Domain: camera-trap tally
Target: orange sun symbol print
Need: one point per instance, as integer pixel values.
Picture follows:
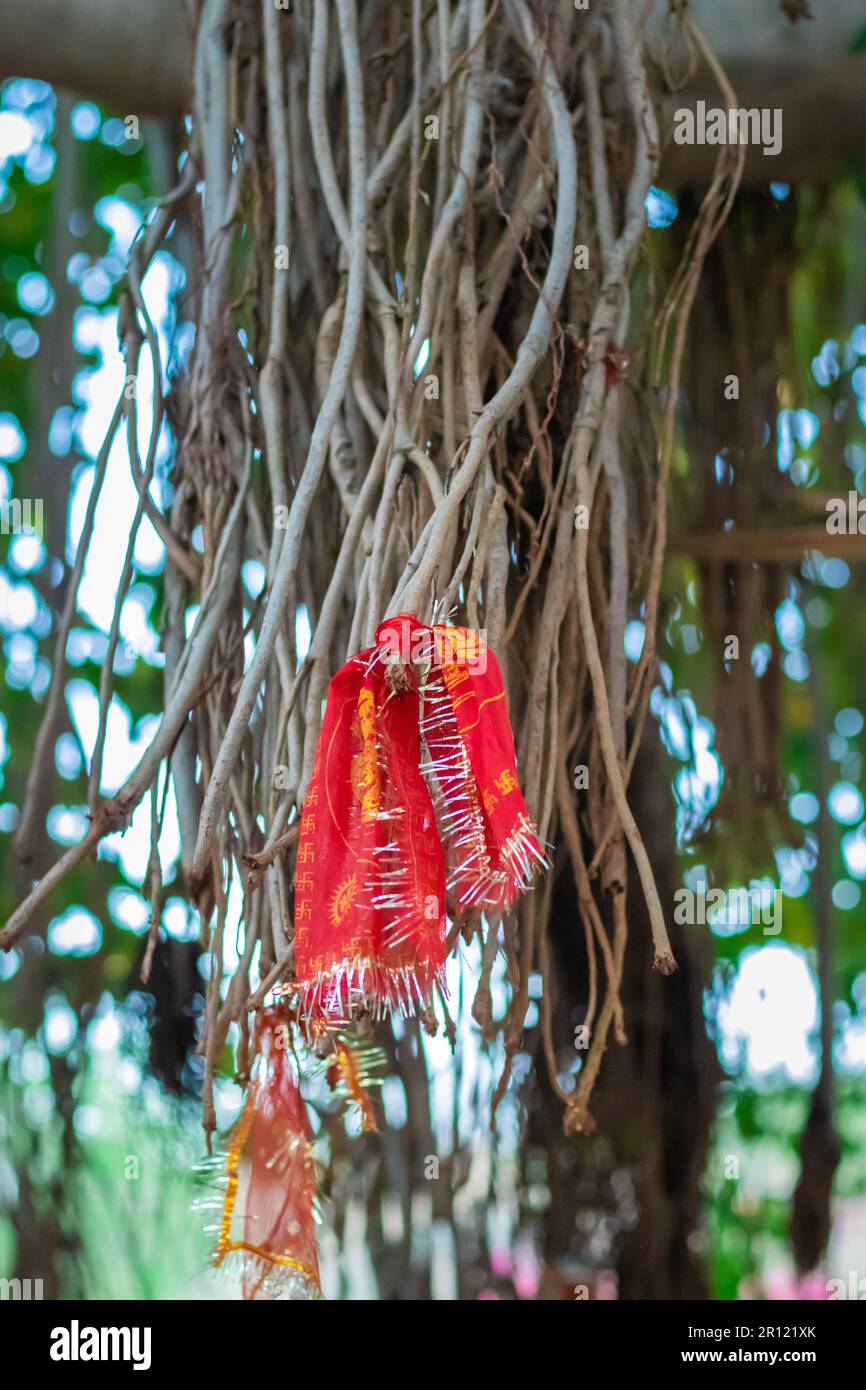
(342, 899)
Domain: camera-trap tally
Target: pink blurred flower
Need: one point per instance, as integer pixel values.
(780, 1284)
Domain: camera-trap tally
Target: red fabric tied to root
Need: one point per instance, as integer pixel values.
(274, 1238)
(413, 798)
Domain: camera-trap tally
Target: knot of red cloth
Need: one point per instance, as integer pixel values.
(404, 638)
(401, 626)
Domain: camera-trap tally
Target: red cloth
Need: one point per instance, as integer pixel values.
(275, 1235)
(413, 788)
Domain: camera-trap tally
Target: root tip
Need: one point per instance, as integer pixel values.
(664, 963)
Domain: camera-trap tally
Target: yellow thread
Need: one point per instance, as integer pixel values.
(352, 1081)
(491, 699)
(232, 1163)
(263, 1254)
(369, 779)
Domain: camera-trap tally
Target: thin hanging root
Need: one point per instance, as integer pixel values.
(578, 1119)
(664, 961)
